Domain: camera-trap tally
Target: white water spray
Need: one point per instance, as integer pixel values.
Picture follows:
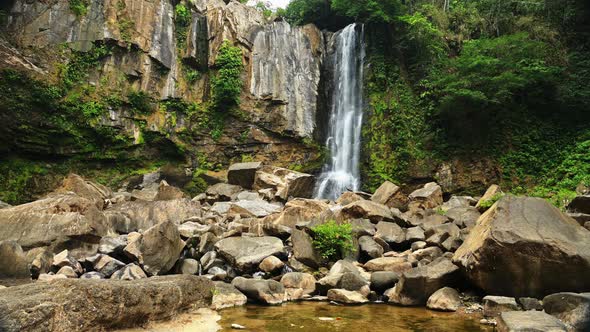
(342, 172)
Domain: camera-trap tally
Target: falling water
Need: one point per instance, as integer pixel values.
(342, 173)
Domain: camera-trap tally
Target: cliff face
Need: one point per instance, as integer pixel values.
(163, 57)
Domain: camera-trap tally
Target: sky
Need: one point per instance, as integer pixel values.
(274, 3)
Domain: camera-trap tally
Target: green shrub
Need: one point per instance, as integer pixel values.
(182, 20)
(486, 204)
(226, 85)
(79, 7)
(140, 102)
(332, 240)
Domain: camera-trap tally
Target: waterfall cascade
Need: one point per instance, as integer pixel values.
(342, 172)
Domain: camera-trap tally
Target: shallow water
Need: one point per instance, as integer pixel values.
(321, 316)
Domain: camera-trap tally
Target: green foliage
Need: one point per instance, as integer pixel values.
(300, 12)
(80, 64)
(332, 240)
(140, 101)
(367, 10)
(226, 85)
(486, 204)
(79, 7)
(16, 177)
(265, 10)
(182, 20)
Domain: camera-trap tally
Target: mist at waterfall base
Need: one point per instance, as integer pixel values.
(342, 172)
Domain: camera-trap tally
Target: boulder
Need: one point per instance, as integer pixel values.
(427, 197)
(303, 249)
(264, 291)
(297, 211)
(393, 264)
(92, 275)
(444, 299)
(65, 258)
(67, 271)
(4, 205)
(463, 216)
(226, 296)
(390, 233)
(188, 266)
(112, 245)
(528, 321)
(414, 234)
(571, 308)
(84, 305)
(354, 282)
(418, 284)
(96, 193)
(139, 215)
(458, 202)
(524, 246)
(346, 297)
(157, 249)
(107, 265)
(129, 272)
(167, 192)
(530, 303)
(580, 204)
(13, 262)
(285, 183)
(53, 221)
(383, 280)
(298, 280)
(243, 174)
(369, 248)
(348, 197)
(391, 195)
(366, 210)
(494, 305)
(271, 264)
(191, 229)
(246, 253)
(258, 208)
(222, 192)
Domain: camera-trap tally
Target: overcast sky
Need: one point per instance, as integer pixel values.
(274, 3)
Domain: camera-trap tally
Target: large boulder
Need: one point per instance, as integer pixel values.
(571, 308)
(53, 221)
(494, 305)
(393, 264)
(258, 208)
(227, 296)
(444, 299)
(297, 280)
(223, 192)
(285, 183)
(529, 321)
(366, 210)
(243, 174)
(167, 192)
(298, 210)
(524, 246)
(264, 291)
(418, 284)
(84, 305)
(346, 297)
(157, 249)
(427, 197)
(140, 215)
(245, 253)
(391, 195)
(13, 262)
(303, 249)
(94, 192)
(580, 204)
(390, 233)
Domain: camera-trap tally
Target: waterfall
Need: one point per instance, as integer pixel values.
(342, 172)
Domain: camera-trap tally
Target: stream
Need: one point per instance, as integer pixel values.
(322, 317)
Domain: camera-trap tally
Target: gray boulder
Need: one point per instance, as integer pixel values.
(366, 210)
(346, 297)
(222, 192)
(391, 195)
(390, 233)
(528, 321)
(571, 308)
(284, 183)
(369, 247)
(494, 305)
(418, 284)
(303, 249)
(427, 197)
(383, 280)
(85, 305)
(226, 296)
(246, 253)
(188, 266)
(13, 262)
(129, 272)
(444, 299)
(297, 280)
(524, 246)
(264, 291)
(243, 174)
(157, 249)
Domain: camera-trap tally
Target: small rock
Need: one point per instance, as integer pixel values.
(65, 259)
(383, 280)
(129, 272)
(227, 296)
(304, 281)
(346, 297)
(218, 273)
(271, 264)
(238, 327)
(529, 321)
(444, 299)
(494, 305)
(68, 272)
(265, 291)
(92, 275)
(394, 264)
(529, 303)
(50, 277)
(188, 266)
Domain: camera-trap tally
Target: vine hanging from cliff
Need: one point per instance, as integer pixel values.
(226, 85)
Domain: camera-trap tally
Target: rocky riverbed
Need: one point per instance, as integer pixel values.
(102, 259)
